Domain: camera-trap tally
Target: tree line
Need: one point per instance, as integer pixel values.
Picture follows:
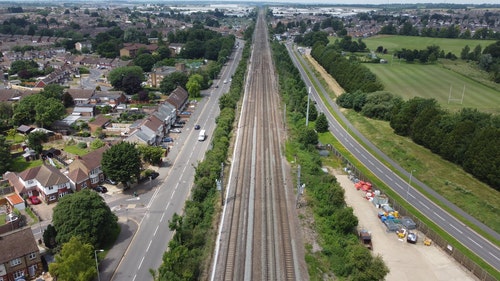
(348, 72)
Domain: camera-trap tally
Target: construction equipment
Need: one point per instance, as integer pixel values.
(427, 242)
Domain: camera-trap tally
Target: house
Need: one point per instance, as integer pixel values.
(80, 45)
(20, 255)
(178, 98)
(81, 96)
(16, 201)
(175, 48)
(131, 49)
(45, 181)
(84, 110)
(86, 171)
(100, 121)
(111, 98)
(167, 113)
(147, 131)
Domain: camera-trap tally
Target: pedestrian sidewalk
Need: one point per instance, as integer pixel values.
(108, 266)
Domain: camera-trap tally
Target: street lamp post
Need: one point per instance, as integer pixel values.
(97, 263)
(409, 184)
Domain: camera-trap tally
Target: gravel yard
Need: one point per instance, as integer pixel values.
(405, 261)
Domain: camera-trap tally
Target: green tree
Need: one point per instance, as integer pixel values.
(122, 163)
(53, 91)
(35, 141)
(321, 123)
(5, 157)
(97, 143)
(118, 76)
(6, 112)
(87, 215)
(37, 108)
(171, 81)
(308, 137)
(151, 154)
(75, 262)
(145, 61)
(49, 237)
(67, 100)
(193, 85)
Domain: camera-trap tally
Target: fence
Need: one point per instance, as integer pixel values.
(428, 232)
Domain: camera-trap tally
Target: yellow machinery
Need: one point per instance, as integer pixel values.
(427, 242)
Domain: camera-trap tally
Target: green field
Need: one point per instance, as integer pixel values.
(434, 81)
(396, 42)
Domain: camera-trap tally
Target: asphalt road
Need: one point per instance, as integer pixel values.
(174, 184)
(469, 238)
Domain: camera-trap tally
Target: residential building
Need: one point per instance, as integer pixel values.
(81, 96)
(178, 98)
(20, 255)
(131, 49)
(45, 181)
(86, 171)
(147, 131)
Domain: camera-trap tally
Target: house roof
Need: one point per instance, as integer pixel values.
(178, 97)
(153, 123)
(13, 179)
(16, 244)
(81, 93)
(80, 168)
(100, 120)
(24, 129)
(46, 175)
(15, 199)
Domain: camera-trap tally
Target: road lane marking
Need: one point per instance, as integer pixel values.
(162, 216)
(438, 216)
(156, 230)
(456, 229)
(140, 264)
(398, 185)
(493, 255)
(149, 245)
(427, 207)
(475, 242)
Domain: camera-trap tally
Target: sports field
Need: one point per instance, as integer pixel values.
(396, 42)
(434, 81)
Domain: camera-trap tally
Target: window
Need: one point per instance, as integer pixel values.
(50, 187)
(52, 198)
(32, 270)
(32, 255)
(84, 184)
(61, 195)
(19, 273)
(15, 262)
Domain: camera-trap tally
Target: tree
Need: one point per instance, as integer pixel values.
(193, 85)
(35, 140)
(75, 262)
(53, 91)
(49, 237)
(151, 154)
(321, 123)
(308, 137)
(5, 157)
(37, 108)
(145, 61)
(171, 81)
(87, 215)
(127, 79)
(67, 100)
(122, 163)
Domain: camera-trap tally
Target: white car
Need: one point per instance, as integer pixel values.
(177, 131)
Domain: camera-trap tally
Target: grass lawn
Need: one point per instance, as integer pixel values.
(74, 149)
(396, 42)
(435, 81)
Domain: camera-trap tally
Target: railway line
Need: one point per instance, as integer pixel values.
(257, 238)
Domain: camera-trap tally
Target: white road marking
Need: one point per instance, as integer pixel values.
(424, 204)
(438, 216)
(475, 242)
(456, 229)
(493, 255)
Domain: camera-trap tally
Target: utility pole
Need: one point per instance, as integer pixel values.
(220, 183)
(298, 187)
(307, 112)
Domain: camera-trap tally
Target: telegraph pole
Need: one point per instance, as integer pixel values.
(307, 112)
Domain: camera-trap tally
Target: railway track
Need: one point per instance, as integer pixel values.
(256, 241)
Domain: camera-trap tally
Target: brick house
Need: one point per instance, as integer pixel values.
(81, 96)
(178, 98)
(45, 181)
(20, 255)
(86, 171)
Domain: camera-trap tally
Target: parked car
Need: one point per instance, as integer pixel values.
(101, 189)
(168, 139)
(154, 175)
(181, 122)
(177, 131)
(34, 200)
(177, 125)
(110, 181)
(197, 127)
(412, 238)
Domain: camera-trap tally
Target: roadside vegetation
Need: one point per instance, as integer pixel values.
(341, 254)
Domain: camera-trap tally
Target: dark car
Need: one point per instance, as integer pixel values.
(154, 175)
(101, 189)
(181, 122)
(197, 127)
(168, 139)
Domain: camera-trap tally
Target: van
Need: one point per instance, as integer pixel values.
(201, 136)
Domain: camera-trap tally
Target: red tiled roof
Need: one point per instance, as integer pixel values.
(15, 199)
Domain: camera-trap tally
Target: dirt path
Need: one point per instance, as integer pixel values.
(405, 261)
(329, 80)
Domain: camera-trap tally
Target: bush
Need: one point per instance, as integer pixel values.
(82, 145)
